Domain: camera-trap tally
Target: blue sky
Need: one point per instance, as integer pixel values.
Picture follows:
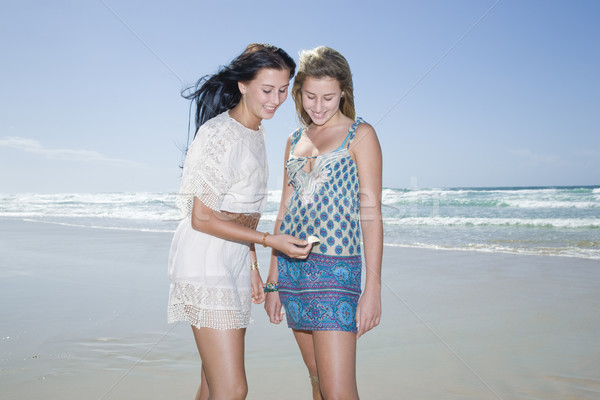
(462, 93)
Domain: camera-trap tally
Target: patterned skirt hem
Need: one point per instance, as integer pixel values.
(321, 328)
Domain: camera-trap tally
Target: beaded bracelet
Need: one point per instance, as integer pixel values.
(271, 287)
(264, 241)
(254, 266)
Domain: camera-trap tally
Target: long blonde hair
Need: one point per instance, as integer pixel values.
(322, 62)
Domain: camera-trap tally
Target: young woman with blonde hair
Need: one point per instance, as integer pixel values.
(331, 191)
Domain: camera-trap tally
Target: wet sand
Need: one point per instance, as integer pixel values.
(83, 315)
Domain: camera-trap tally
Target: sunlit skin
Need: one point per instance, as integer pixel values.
(321, 99)
(261, 97)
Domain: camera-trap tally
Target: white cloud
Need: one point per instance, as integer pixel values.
(34, 146)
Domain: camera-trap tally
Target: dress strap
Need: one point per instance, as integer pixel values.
(352, 132)
(295, 138)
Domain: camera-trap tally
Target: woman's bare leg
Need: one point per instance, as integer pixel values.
(335, 355)
(203, 392)
(307, 349)
(222, 354)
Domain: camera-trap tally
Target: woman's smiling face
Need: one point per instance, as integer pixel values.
(321, 98)
(266, 92)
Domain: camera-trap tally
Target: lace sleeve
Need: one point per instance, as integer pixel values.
(206, 171)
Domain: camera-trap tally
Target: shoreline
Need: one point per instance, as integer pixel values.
(84, 311)
(265, 225)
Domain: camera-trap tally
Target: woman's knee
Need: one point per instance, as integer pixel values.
(238, 391)
(311, 365)
(339, 395)
(336, 391)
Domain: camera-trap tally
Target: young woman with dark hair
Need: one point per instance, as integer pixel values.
(213, 271)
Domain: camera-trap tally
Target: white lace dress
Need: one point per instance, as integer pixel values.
(225, 168)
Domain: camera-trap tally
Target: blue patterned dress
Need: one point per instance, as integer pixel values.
(322, 292)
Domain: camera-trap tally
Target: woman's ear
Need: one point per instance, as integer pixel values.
(242, 87)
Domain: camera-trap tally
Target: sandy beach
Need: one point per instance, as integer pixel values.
(83, 315)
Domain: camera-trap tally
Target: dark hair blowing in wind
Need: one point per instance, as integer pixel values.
(214, 94)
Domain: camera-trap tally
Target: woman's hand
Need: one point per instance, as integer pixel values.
(289, 245)
(258, 290)
(368, 312)
(273, 307)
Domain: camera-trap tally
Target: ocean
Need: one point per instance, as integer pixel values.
(554, 221)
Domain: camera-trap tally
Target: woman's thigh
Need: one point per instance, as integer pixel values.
(335, 354)
(222, 354)
(307, 349)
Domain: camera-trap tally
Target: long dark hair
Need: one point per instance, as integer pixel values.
(214, 94)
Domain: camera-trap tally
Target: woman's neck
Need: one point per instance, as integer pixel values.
(242, 115)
